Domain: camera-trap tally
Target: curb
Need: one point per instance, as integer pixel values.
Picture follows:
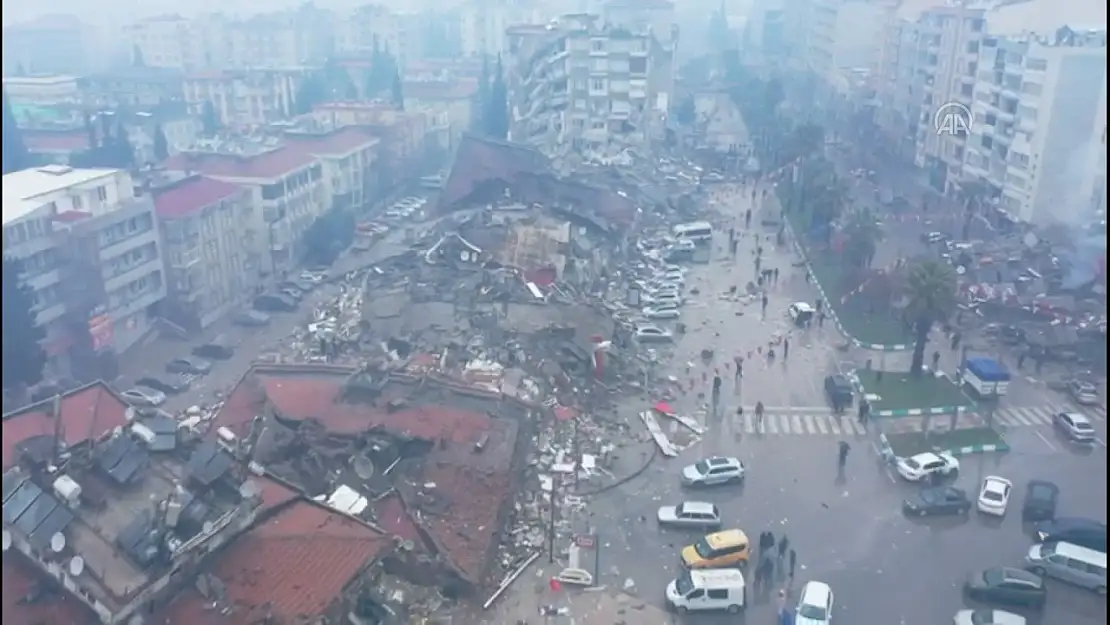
(624, 480)
(978, 449)
(916, 412)
(829, 307)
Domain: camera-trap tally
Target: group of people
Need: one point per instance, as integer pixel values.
(771, 558)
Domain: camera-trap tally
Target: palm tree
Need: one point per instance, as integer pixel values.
(862, 234)
(973, 194)
(931, 289)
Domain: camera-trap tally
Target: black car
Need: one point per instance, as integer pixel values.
(170, 385)
(1077, 531)
(1001, 584)
(839, 387)
(275, 302)
(938, 501)
(1040, 501)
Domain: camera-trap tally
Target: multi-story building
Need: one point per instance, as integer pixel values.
(287, 188)
(133, 87)
(42, 90)
(843, 35)
(371, 27)
(579, 85)
(89, 249)
(243, 97)
(1038, 102)
(211, 239)
(168, 42)
(450, 102)
(930, 56)
(347, 154)
(282, 40)
(51, 44)
(483, 26)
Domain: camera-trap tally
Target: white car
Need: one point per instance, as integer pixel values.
(653, 334)
(661, 313)
(666, 300)
(986, 616)
(995, 495)
(693, 514)
(713, 471)
(815, 604)
(672, 277)
(927, 466)
(142, 396)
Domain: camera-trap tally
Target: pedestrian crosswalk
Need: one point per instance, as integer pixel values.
(820, 422)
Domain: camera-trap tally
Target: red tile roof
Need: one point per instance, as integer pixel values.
(20, 578)
(480, 159)
(393, 517)
(338, 143)
(293, 565)
(68, 217)
(55, 141)
(192, 195)
(266, 166)
(86, 413)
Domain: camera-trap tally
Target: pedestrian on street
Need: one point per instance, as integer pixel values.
(819, 305)
(738, 372)
(776, 275)
(748, 215)
(1021, 360)
(956, 340)
(807, 276)
(843, 454)
(936, 360)
(764, 302)
(784, 545)
(821, 319)
(758, 262)
(785, 349)
(759, 424)
(768, 570)
(793, 563)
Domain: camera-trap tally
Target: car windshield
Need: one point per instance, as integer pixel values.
(929, 496)
(702, 467)
(993, 577)
(1042, 492)
(982, 617)
(815, 612)
(1081, 425)
(992, 495)
(913, 464)
(684, 583)
(703, 549)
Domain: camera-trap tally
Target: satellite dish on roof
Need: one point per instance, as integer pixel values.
(57, 542)
(1030, 239)
(76, 566)
(7, 540)
(363, 466)
(961, 270)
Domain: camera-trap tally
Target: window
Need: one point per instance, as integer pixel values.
(77, 202)
(597, 45)
(1036, 65)
(718, 593)
(973, 47)
(102, 194)
(1031, 88)
(697, 594)
(597, 84)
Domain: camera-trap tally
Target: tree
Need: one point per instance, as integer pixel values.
(23, 355)
(687, 111)
(773, 95)
(90, 132)
(209, 119)
(497, 108)
(309, 94)
(397, 91)
(161, 146)
(16, 156)
(805, 140)
(931, 289)
(122, 148)
(862, 234)
(137, 57)
(328, 236)
(974, 195)
(720, 37)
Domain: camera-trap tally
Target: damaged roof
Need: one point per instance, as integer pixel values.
(294, 563)
(479, 159)
(22, 580)
(460, 492)
(86, 413)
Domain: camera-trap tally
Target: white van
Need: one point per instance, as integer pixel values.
(1069, 563)
(714, 589)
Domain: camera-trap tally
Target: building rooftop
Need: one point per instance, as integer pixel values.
(250, 163)
(21, 188)
(191, 195)
(85, 412)
(313, 139)
(1041, 16)
(47, 141)
(452, 89)
(27, 598)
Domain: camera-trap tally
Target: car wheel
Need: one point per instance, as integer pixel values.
(1101, 591)
(683, 609)
(1038, 571)
(733, 609)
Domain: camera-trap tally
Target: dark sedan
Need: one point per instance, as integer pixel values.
(195, 366)
(839, 387)
(1040, 501)
(938, 501)
(1007, 586)
(1077, 531)
(170, 385)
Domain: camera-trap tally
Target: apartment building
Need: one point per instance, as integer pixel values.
(89, 249)
(42, 90)
(169, 42)
(243, 98)
(50, 44)
(1038, 102)
(483, 26)
(348, 156)
(405, 139)
(372, 26)
(282, 40)
(133, 87)
(580, 85)
(450, 104)
(287, 188)
(844, 35)
(930, 62)
(212, 247)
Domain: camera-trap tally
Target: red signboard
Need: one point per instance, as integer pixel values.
(102, 331)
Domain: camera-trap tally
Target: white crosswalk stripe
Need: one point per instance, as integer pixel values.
(1034, 416)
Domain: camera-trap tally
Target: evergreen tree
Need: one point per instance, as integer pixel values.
(481, 100)
(123, 151)
(161, 146)
(15, 152)
(23, 356)
(497, 107)
(398, 91)
(209, 120)
(90, 131)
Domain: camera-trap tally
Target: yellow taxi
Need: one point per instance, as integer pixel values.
(717, 550)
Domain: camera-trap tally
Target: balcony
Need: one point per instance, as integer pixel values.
(186, 259)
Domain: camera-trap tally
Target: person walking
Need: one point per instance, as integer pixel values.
(785, 349)
(793, 563)
(842, 458)
(764, 303)
(759, 424)
(738, 372)
(784, 545)
(776, 275)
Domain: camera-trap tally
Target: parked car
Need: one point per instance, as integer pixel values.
(219, 348)
(1005, 585)
(1075, 530)
(839, 387)
(140, 396)
(653, 334)
(193, 365)
(714, 471)
(994, 496)
(1040, 501)
(987, 617)
(661, 313)
(1083, 393)
(927, 466)
(801, 313)
(172, 385)
(937, 501)
(815, 604)
(292, 292)
(250, 319)
(274, 302)
(690, 514)
(1075, 426)
(1069, 563)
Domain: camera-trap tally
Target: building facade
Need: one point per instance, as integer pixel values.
(51, 44)
(212, 253)
(1038, 102)
(243, 98)
(90, 251)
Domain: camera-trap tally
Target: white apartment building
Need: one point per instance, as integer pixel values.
(175, 42)
(844, 36)
(370, 26)
(89, 250)
(287, 188)
(347, 154)
(42, 90)
(578, 85)
(930, 60)
(211, 242)
(483, 26)
(1039, 104)
(243, 97)
(279, 40)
